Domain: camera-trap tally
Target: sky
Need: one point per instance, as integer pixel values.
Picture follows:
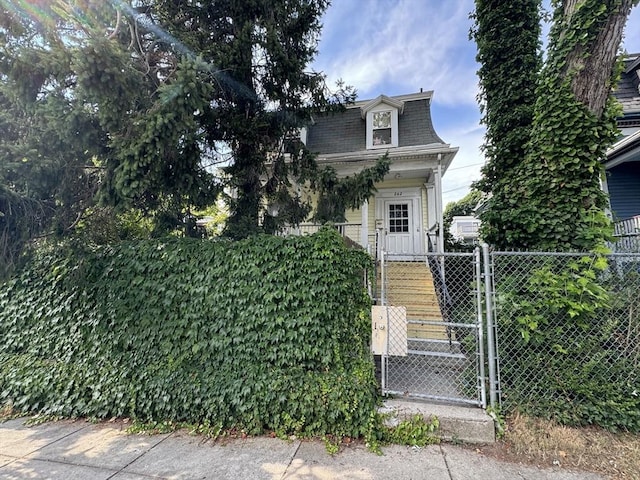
(394, 47)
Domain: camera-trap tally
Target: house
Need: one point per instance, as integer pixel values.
(465, 228)
(622, 165)
(408, 202)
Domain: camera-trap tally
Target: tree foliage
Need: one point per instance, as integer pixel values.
(336, 195)
(548, 197)
(156, 106)
(49, 139)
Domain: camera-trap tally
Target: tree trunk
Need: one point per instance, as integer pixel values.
(591, 84)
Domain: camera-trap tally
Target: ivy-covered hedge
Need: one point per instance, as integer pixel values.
(267, 333)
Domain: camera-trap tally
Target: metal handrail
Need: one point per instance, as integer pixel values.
(442, 293)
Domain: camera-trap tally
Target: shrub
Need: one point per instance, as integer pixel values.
(265, 333)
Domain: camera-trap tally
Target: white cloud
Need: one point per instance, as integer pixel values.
(465, 168)
(404, 45)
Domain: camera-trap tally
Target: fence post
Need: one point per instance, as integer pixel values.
(383, 357)
(491, 354)
(479, 327)
(382, 279)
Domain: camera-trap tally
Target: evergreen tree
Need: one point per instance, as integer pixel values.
(48, 139)
(172, 89)
(261, 52)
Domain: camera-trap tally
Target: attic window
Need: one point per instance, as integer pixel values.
(382, 128)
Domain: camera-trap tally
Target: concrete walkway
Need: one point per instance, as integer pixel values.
(74, 450)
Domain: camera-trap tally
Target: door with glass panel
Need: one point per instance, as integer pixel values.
(399, 216)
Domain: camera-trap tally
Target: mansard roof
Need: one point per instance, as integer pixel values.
(628, 91)
(345, 132)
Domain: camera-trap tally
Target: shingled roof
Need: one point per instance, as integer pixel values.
(628, 91)
(346, 131)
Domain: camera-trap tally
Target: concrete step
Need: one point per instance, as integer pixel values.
(465, 424)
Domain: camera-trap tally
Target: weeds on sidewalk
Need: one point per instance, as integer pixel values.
(545, 443)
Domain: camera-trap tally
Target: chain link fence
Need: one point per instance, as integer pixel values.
(555, 335)
(434, 347)
(568, 335)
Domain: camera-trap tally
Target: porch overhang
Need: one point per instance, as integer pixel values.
(625, 150)
(406, 162)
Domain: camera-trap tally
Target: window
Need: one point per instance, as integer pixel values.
(381, 115)
(381, 128)
(399, 218)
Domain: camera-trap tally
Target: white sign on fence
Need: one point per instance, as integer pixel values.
(389, 330)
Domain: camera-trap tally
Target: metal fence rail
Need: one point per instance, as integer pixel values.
(542, 332)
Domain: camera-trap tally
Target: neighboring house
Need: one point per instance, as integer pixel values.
(465, 228)
(408, 203)
(622, 180)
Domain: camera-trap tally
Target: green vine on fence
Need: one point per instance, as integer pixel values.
(565, 326)
(262, 334)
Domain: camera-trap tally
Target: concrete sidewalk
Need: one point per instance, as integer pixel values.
(74, 450)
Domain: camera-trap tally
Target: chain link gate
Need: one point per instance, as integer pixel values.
(427, 327)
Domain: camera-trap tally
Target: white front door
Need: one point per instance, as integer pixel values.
(399, 225)
(399, 212)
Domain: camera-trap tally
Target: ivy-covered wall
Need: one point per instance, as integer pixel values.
(266, 333)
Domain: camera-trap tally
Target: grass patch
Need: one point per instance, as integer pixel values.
(546, 443)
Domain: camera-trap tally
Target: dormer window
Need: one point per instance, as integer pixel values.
(381, 116)
(381, 128)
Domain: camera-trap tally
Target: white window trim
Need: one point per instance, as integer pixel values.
(394, 126)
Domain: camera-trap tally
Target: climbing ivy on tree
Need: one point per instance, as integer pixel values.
(551, 199)
(507, 33)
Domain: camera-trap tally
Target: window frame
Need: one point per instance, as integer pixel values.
(382, 107)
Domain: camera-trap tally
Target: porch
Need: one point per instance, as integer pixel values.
(627, 235)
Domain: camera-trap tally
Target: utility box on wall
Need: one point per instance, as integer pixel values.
(389, 330)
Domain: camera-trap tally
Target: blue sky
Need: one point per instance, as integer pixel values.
(399, 46)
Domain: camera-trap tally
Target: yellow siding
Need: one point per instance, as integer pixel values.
(372, 216)
(353, 216)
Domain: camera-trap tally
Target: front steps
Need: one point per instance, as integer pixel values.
(464, 424)
(410, 284)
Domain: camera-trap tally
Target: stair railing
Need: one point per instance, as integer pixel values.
(442, 293)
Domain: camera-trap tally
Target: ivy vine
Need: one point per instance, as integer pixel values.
(262, 334)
